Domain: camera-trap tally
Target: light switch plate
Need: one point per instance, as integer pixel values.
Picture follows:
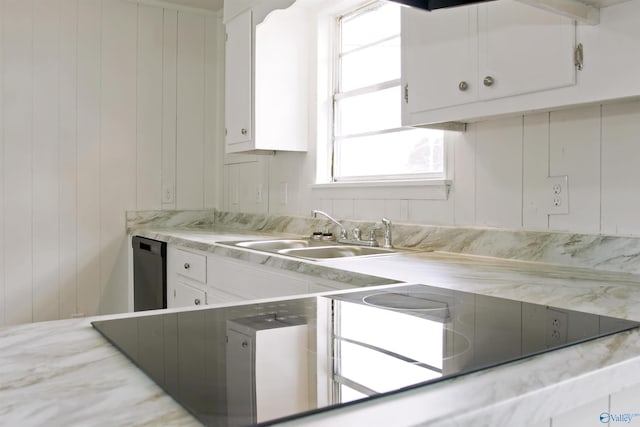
(167, 193)
(284, 193)
(556, 193)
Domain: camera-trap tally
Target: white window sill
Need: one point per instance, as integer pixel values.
(432, 189)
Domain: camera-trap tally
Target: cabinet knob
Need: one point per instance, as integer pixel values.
(488, 81)
(245, 344)
(196, 301)
(463, 86)
(187, 266)
(243, 131)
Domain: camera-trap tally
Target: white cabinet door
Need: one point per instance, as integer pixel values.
(249, 281)
(240, 392)
(523, 49)
(183, 295)
(454, 60)
(186, 277)
(230, 277)
(238, 80)
(439, 58)
(266, 79)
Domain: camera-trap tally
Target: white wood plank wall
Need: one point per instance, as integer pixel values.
(498, 168)
(103, 104)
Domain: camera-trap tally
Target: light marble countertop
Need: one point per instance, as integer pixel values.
(65, 373)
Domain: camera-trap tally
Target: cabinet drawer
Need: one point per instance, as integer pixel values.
(189, 264)
(184, 295)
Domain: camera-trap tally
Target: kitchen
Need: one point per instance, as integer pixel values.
(93, 106)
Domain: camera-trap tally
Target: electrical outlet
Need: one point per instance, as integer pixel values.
(557, 195)
(556, 328)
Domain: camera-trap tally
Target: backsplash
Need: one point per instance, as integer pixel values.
(608, 253)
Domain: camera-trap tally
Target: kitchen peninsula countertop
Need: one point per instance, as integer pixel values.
(65, 373)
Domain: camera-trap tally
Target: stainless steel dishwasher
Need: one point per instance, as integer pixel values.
(149, 274)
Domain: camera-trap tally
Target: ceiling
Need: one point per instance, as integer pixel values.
(201, 4)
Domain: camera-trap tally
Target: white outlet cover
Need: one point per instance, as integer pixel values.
(557, 201)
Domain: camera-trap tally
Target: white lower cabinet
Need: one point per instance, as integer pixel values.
(186, 277)
(267, 364)
(182, 295)
(198, 278)
(236, 280)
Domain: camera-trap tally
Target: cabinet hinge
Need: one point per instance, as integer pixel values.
(578, 57)
(406, 93)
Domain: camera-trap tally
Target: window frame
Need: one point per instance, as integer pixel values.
(337, 95)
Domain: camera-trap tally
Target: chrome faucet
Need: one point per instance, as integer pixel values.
(343, 231)
(386, 223)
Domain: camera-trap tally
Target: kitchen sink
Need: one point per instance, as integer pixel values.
(273, 245)
(311, 249)
(337, 251)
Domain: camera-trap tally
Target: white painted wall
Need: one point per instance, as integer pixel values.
(103, 103)
(499, 169)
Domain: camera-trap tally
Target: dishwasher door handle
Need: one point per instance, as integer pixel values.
(154, 247)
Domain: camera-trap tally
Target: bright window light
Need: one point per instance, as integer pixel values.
(369, 142)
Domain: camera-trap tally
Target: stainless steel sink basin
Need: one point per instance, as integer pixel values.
(337, 251)
(273, 245)
(311, 249)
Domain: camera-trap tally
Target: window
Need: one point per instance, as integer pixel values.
(368, 141)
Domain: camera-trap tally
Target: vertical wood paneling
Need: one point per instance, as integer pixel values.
(212, 93)
(190, 111)
(149, 114)
(45, 160)
(169, 99)
(2, 183)
(245, 179)
(88, 134)
(575, 151)
(220, 147)
(430, 211)
(620, 172)
(535, 171)
(68, 153)
(231, 178)
(464, 164)
(88, 117)
(117, 148)
(343, 209)
(18, 151)
(499, 173)
(369, 209)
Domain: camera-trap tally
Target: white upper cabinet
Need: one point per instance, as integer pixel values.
(470, 54)
(523, 49)
(439, 57)
(266, 81)
(233, 8)
(238, 81)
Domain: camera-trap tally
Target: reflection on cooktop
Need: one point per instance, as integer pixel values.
(258, 363)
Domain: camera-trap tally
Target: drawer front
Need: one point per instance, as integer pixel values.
(189, 264)
(185, 296)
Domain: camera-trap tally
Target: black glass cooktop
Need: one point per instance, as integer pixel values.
(257, 363)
